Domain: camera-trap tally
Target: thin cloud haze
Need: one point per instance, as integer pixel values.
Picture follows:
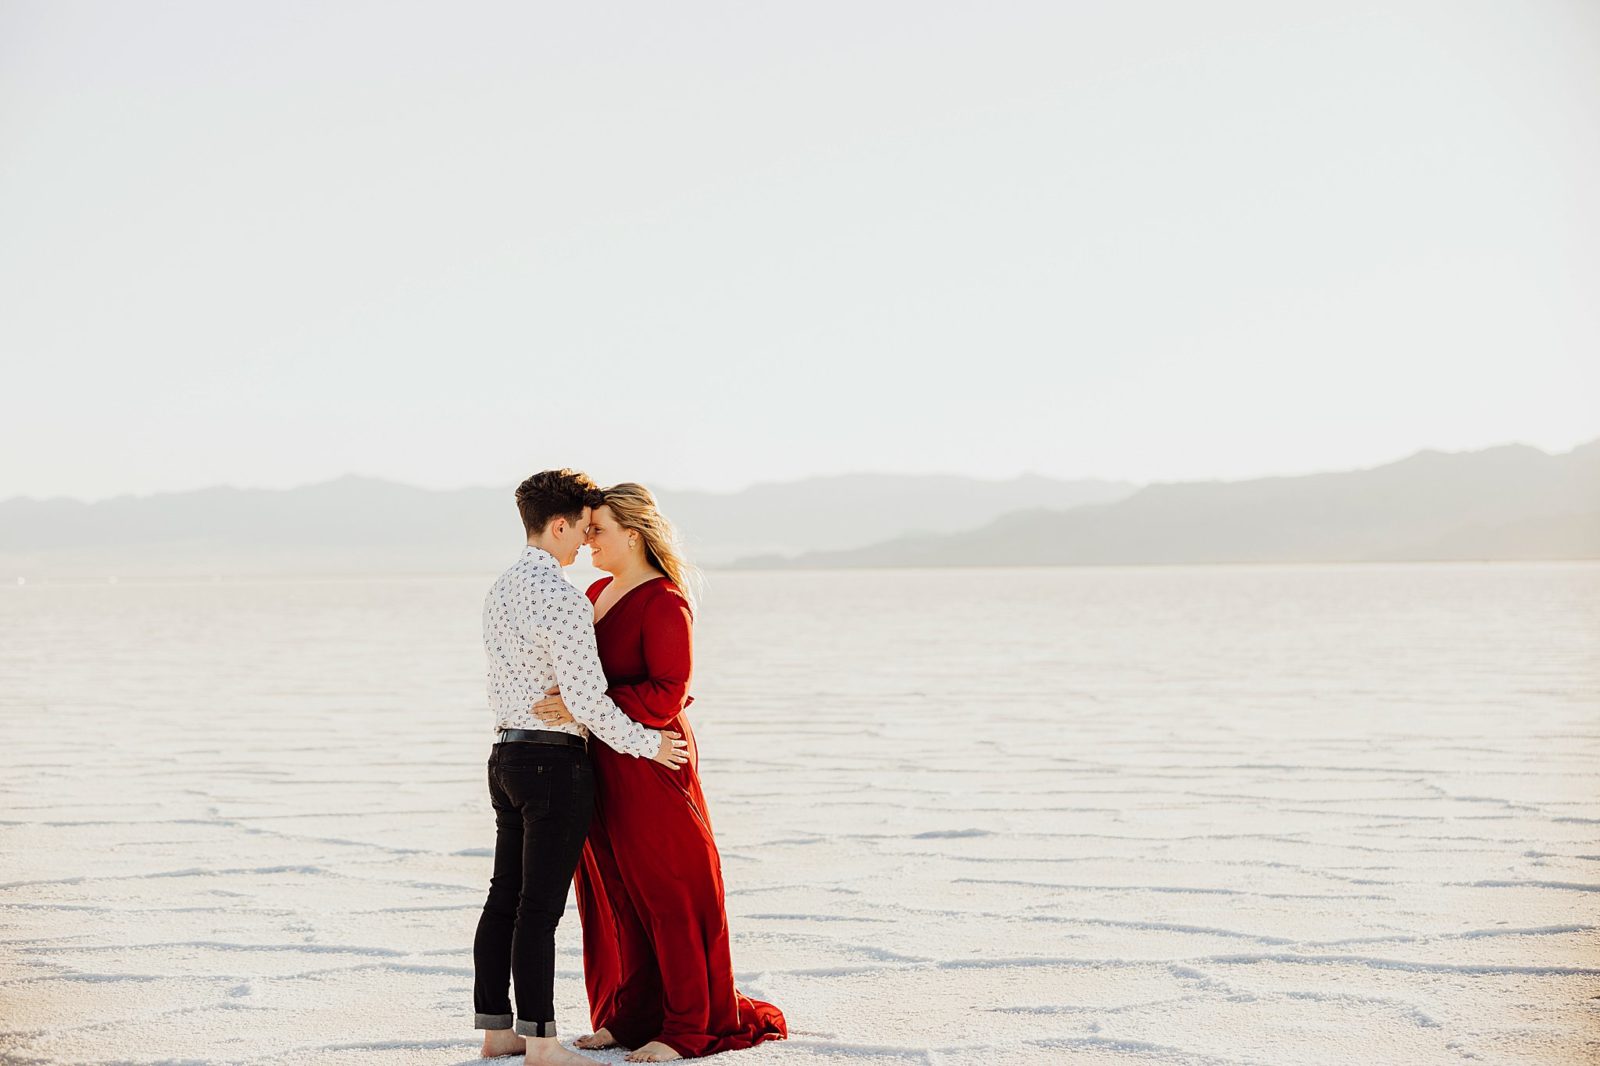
(711, 245)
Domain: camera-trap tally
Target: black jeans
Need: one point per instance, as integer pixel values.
(543, 799)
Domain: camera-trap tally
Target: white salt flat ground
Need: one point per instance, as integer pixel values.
(1264, 815)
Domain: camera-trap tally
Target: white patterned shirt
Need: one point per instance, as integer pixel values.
(538, 631)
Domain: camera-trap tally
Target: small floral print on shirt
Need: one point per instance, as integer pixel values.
(538, 631)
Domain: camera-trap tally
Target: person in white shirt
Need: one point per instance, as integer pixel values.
(538, 633)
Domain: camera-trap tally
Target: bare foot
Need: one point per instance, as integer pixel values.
(497, 1042)
(600, 1038)
(655, 1051)
(547, 1051)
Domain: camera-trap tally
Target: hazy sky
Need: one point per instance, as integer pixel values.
(702, 244)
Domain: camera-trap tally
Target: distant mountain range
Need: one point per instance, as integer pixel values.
(363, 525)
(1505, 503)
(1508, 503)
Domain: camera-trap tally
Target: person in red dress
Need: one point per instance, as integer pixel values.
(656, 958)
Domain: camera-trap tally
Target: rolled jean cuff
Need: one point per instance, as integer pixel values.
(527, 1028)
(491, 1021)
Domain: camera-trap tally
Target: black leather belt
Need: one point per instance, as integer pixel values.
(540, 736)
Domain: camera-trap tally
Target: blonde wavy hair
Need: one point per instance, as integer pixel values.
(635, 508)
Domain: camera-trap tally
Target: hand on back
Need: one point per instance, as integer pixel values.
(674, 750)
(552, 710)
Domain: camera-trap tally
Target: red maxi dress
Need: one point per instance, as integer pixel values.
(655, 932)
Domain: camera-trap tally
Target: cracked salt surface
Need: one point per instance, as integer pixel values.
(1230, 815)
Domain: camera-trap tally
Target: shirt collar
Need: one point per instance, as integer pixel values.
(541, 558)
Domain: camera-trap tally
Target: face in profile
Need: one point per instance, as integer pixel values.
(568, 536)
(608, 541)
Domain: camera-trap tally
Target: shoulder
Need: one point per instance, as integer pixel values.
(565, 593)
(595, 589)
(665, 598)
(511, 590)
(508, 577)
(549, 594)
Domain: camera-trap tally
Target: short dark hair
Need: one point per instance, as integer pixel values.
(553, 494)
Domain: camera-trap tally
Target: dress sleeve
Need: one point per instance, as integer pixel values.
(668, 660)
(570, 639)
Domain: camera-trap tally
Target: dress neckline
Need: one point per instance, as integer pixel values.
(620, 599)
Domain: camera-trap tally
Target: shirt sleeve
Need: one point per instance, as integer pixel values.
(568, 634)
(668, 660)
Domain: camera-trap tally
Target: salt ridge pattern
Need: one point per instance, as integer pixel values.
(1265, 816)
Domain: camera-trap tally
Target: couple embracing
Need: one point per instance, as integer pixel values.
(594, 781)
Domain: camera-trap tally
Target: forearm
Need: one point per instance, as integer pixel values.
(607, 721)
(653, 703)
